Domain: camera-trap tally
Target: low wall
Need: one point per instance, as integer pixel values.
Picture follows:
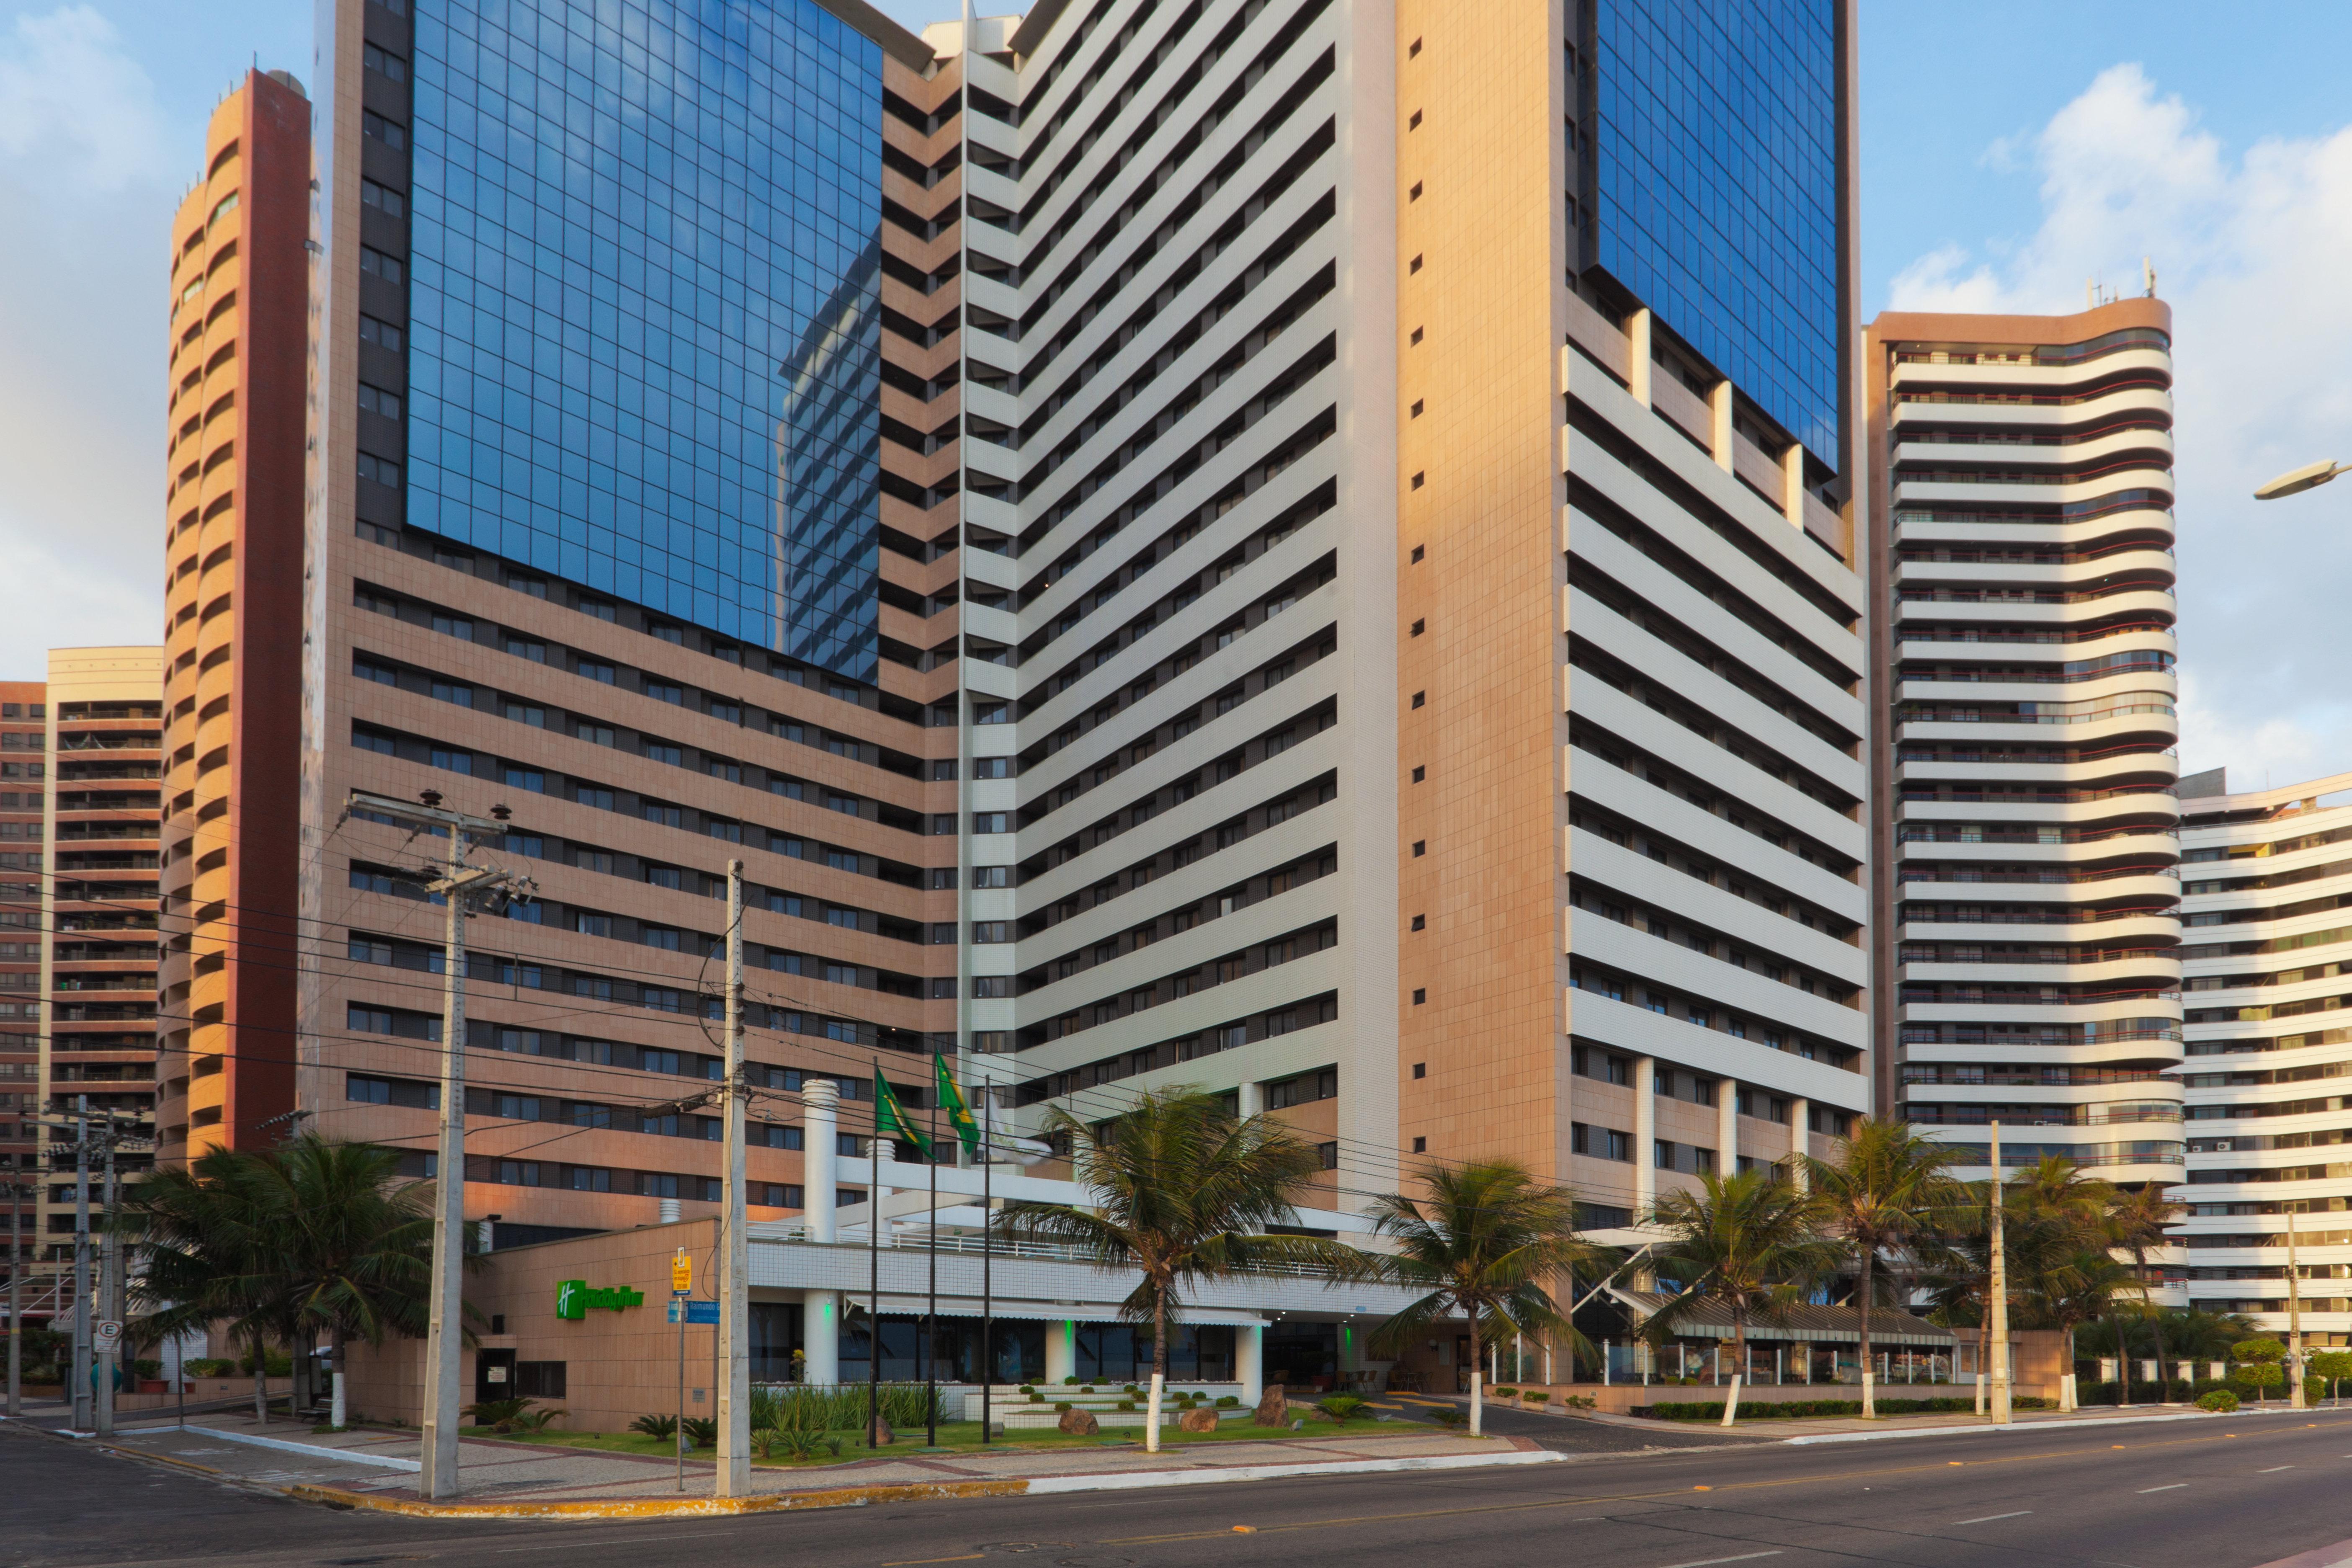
(1625, 1398)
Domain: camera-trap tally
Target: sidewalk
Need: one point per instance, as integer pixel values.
(1853, 1428)
(377, 1470)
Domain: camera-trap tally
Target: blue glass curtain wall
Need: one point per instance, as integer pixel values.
(1717, 164)
(646, 350)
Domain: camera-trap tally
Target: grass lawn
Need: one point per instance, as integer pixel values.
(964, 1436)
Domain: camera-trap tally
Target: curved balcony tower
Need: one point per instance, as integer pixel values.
(2029, 829)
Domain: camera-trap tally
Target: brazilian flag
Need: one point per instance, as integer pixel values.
(890, 1118)
(952, 1101)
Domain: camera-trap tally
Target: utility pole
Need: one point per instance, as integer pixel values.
(460, 885)
(111, 1357)
(81, 1368)
(2293, 1317)
(15, 1299)
(733, 1474)
(1999, 1307)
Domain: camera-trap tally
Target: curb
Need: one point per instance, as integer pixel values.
(859, 1497)
(2014, 1426)
(318, 1450)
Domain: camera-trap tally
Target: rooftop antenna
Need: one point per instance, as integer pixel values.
(2090, 293)
(2148, 270)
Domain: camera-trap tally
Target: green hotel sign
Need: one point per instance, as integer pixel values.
(573, 1298)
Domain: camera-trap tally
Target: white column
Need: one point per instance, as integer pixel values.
(1646, 1135)
(1800, 1116)
(1637, 356)
(1061, 1351)
(1719, 406)
(1793, 484)
(1249, 1360)
(821, 1337)
(820, 1128)
(885, 1160)
(1727, 1126)
(1251, 1096)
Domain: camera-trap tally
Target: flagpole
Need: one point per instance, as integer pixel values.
(987, 1246)
(931, 1311)
(874, 1272)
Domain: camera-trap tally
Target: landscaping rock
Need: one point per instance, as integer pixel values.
(1197, 1421)
(882, 1433)
(1274, 1410)
(1080, 1422)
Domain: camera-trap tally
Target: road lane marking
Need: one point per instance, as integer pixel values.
(2144, 1490)
(1988, 1517)
(1710, 1561)
(2273, 1469)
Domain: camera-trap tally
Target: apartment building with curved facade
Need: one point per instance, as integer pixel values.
(2030, 907)
(233, 623)
(2267, 917)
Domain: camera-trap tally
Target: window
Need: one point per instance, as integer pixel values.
(589, 794)
(1421, 1069)
(384, 199)
(376, 264)
(1420, 922)
(659, 690)
(375, 400)
(1420, 774)
(1418, 626)
(384, 334)
(590, 924)
(379, 471)
(385, 64)
(391, 132)
(1420, 848)
(1420, 1145)
(1419, 994)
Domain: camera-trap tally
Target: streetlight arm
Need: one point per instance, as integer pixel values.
(2297, 481)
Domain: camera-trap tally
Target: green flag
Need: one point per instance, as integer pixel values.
(890, 1118)
(952, 1101)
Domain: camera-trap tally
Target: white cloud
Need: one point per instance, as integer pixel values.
(75, 108)
(2250, 251)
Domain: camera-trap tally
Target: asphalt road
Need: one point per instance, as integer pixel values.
(2223, 1494)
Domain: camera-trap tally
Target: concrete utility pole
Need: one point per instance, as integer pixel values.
(2293, 1317)
(16, 1191)
(461, 885)
(111, 1358)
(733, 1472)
(1998, 1306)
(81, 1367)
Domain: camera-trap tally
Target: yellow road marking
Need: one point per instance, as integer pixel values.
(910, 1562)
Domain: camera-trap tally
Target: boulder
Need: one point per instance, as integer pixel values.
(1080, 1422)
(1273, 1410)
(1202, 1420)
(882, 1433)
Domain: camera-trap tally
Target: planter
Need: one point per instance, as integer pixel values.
(154, 1385)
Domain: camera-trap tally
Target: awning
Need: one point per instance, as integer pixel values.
(1808, 1323)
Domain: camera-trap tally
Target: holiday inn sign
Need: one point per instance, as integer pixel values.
(573, 1298)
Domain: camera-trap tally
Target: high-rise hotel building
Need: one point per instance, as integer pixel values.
(2029, 967)
(1299, 548)
(2266, 882)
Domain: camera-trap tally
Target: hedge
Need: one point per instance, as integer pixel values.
(1790, 1409)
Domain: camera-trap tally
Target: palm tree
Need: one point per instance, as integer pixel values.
(2136, 1222)
(1748, 1244)
(316, 1234)
(1481, 1246)
(205, 1233)
(1885, 1193)
(1184, 1192)
(2058, 1238)
(358, 1245)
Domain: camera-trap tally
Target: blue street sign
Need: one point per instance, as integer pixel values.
(696, 1312)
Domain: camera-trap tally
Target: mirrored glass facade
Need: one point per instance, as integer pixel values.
(645, 333)
(1716, 163)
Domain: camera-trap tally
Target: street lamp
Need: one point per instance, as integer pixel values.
(2295, 481)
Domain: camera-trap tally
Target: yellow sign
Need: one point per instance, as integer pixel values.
(681, 1272)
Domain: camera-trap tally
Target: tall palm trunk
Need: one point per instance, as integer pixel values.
(1477, 1381)
(1861, 1308)
(337, 1343)
(2123, 1362)
(260, 1379)
(1159, 1372)
(1738, 1365)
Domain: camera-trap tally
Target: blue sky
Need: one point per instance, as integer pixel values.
(2010, 150)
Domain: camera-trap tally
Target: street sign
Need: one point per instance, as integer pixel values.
(106, 1333)
(681, 1272)
(696, 1312)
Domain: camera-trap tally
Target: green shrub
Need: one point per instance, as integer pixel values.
(495, 1412)
(210, 1366)
(1536, 1396)
(1070, 1381)
(1087, 1389)
(835, 1407)
(1340, 1407)
(1127, 1405)
(662, 1427)
(763, 1442)
(1028, 1390)
(701, 1431)
(1131, 1388)
(2220, 1400)
(147, 1366)
(1580, 1402)
(535, 1420)
(1062, 1406)
(279, 1365)
(801, 1445)
(1228, 1401)
(1449, 1416)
